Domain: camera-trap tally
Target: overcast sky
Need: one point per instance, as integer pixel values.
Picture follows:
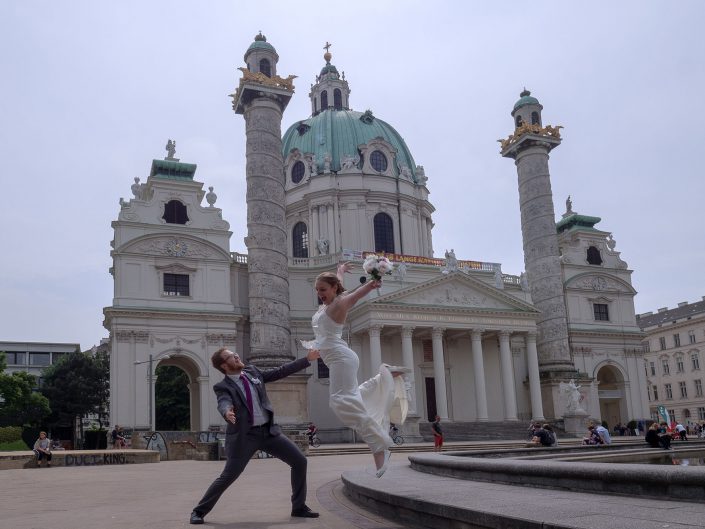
(91, 91)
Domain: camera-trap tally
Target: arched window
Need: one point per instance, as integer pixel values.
(593, 256)
(315, 106)
(384, 233)
(324, 100)
(337, 99)
(265, 67)
(378, 161)
(297, 172)
(518, 121)
(535, 118)
(299, 236)
(175, 213)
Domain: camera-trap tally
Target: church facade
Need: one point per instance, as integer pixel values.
(479, 348)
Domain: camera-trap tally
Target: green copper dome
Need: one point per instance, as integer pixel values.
(329, 68)
(339, 132)
(260, 43)
(526, 99)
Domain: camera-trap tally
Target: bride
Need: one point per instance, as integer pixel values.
(366, 407)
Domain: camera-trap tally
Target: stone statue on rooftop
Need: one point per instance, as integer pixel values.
(170, 149)
(568, 206)
(451, 261)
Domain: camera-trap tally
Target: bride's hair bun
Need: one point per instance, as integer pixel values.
(332, 280)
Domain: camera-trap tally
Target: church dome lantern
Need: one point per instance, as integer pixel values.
(261, 57)
(527, 109)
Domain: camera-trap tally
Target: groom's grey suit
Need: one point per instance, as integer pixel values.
(242, 440)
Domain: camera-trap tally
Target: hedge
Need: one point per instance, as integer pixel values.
(9, 434)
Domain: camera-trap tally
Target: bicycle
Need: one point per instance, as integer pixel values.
(314, 441)
(398, 439)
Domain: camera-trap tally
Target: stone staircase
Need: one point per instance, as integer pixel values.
(480, 431)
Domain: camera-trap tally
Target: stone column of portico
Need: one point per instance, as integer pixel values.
(407, 355)
(478, 365)
(331, 230)
(505, 360)
(532, 362)
(312, 246)
(375, 348)
(439, 373)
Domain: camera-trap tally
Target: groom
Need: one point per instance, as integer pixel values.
(243, 402)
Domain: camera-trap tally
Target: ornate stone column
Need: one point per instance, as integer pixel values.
(439, 373)
(505, 360)
(204, 392)
(532, 363)
(407, 354)
(331, 230)
(478, 365)
(375, 348)
(262, 100)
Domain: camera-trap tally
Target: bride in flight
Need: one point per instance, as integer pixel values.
(366, 407)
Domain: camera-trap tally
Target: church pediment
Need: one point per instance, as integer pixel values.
(456, 290)
(599, 283)
(173, 246)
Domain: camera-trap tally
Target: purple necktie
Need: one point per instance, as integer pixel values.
(248, 398)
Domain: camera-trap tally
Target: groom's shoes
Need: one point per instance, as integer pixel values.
(304, 512)
(196, 518)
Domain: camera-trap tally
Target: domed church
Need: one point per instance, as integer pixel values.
(483, 345)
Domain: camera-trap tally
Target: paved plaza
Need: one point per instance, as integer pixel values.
(161, 496)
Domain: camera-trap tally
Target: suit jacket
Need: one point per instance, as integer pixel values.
(230, 395)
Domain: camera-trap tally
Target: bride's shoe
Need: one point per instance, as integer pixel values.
(385, 465)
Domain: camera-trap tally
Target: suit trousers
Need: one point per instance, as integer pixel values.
(258, 438)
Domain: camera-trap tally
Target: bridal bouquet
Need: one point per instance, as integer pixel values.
(377, 266)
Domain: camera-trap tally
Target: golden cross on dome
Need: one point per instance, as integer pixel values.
(327, 46)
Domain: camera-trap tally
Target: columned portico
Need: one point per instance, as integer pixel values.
(479, 371)
(505, 358)
(375, 348)
(439, 373)
(532, 362)
(407, 354)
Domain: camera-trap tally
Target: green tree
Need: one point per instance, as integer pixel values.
(172, 399)
(20, 405)
(76, 386)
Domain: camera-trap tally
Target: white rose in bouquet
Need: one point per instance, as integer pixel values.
(377, 266)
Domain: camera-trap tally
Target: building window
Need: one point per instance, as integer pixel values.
(665, 367)
(300, 240)
(15, 359)
(677, 340)
(297, 172)
(672, 415)
(679, 364)
(176, 285)
(684, 390)
(652, 366)
(695, 358)
(265, 67)
(669, 392)
(686, 413)
(323, 371)
(698, 388)
(655, 393)
(175, 213)
(39, 359)
(701, 414)
(384, 233)
(378, 161)
(535, 118)
(518, 121)
(647, 346)
(601, 312)
(337, 99)
(662, 342)
(648, 392)
(324, 100)
(593, 256)
(691, 336)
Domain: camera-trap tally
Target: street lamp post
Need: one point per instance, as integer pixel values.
(150, 378)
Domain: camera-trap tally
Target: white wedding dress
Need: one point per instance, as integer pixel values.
(366, 407)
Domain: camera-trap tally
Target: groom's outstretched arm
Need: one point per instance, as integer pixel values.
(289, 369)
